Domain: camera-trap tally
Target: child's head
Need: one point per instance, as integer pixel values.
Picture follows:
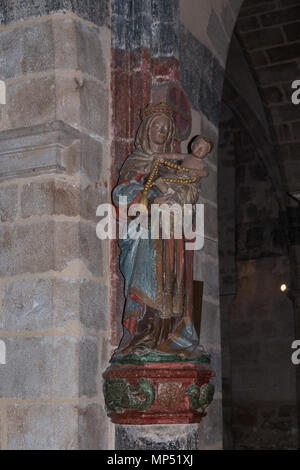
(201, 146)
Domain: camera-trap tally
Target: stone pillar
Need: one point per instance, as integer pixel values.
(54, 133)
(159, 437)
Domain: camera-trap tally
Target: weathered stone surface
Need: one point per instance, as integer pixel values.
(66, 356)
(26, 248)
(27, 49)
(64, 36)
(89, 46)
(201, 75)
(93, 305)
(27, 305)
(8, 203)
(41, 304)
(68, 100)
(91, 196)
(93, 423)
(94, 108)
(95, 11)
(50, 197)
(39, 426)
(91, 157)
(88, 366)
(66, 243)
(179, 437)
(91, 248)
(45, 245)
(28, 372)
(30, 101)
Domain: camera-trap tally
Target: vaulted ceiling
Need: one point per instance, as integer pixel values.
(269, 33)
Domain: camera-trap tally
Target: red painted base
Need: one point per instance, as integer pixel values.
(172, 405)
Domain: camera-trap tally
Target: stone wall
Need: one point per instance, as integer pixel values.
(54, 172)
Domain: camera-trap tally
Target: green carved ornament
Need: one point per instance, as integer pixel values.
(119, 395)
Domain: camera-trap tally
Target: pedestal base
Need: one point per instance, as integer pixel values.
(158, 437)
(161, 393)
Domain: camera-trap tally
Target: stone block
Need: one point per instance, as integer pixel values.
(94, 305)
(65, 354)
(91, 157)
(92, 249)
(27, 305)
(281, 16)
(287, 52)
(66, 243)
(28, 371)
(88, 366)
(26, 248)
(27, 49)
(64, 36)
(68, 100)
(8, 203)
(91, 196)
(30, 102)
(259, 58)
(93, 424)
(89, 46)
(41, 304)
(45, 245)
(94, 108)
(50, 197)
(42, 426)
(263, 38)
(248, 24)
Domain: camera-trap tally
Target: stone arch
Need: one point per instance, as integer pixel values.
(239, 232)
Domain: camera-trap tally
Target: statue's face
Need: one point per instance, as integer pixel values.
(201, 148)
(159, 130)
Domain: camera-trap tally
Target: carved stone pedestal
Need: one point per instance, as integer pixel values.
(160, 393)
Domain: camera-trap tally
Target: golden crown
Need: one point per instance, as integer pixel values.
(161, 108)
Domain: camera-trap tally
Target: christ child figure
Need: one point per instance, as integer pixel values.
(201, 147)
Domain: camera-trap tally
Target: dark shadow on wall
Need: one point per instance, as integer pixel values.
(257, 320)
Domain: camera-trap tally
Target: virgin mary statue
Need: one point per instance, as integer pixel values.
(158, 273)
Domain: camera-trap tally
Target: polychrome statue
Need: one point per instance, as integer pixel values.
(158, 273)
(159, 374)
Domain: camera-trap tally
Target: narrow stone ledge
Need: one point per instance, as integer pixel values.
(50, 148)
